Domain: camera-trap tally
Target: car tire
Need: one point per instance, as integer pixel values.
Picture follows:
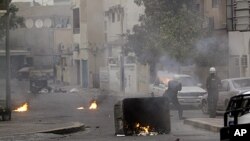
(152, 94)
(204, 107)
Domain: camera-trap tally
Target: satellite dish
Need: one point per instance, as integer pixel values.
(47, 23)
(39, 23)
(29, 23)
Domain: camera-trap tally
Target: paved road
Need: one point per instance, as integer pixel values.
(100, 123)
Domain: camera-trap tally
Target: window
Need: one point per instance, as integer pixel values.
(211, 23)
(130, 60)
(113, 61)
(244, 60)
(113, 17)
(214, 3)
(118, 17)
(197, 7)
(241, 83)
(76, 21)
(105, 26)
(106, 37)
(237, 61)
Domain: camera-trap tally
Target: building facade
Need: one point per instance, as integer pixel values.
(47, 34)
(88, 37)
(124, 72)
(238, 26)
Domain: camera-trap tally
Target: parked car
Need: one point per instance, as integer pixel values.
(229, 88)
(190, 94)
(236, 116)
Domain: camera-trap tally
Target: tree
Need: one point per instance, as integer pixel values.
(15, 21)
(169, 27)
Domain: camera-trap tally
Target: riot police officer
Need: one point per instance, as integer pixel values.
(213, 83)
(171, 93)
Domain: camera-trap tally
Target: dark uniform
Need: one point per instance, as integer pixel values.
(213, 83)
(171, 94)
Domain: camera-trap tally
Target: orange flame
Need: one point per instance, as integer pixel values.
(93, 105)
(143, 129)
(23, 108)
(165, 80)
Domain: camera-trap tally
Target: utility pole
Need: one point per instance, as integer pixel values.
(7, 51)
(122, 70)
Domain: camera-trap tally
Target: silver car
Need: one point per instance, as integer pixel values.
(190, 94)
(230, 87)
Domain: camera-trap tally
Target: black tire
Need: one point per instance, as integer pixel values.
(204, 107)
(6, 117)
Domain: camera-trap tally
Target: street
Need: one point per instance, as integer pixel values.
(62, 107)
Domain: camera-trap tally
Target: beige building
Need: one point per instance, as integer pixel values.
(88, 37)
(120, 18)
(214, 12)
(238, 22)
(47, 34)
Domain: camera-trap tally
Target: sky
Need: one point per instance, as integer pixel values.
(40, 1)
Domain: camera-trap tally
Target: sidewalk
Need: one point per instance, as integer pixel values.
(211, 124)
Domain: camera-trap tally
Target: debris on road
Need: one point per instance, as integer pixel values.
(74, 90)
(80, 108)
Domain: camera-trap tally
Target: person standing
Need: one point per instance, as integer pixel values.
(171, 93)
(213, 83)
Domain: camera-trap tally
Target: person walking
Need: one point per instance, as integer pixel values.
(171, 93)
(213, 83)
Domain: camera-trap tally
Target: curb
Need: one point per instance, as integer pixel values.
(203, 124)
(66, 130)
(77, 126)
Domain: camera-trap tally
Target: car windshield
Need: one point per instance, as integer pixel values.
(186, 81)
(241, 83)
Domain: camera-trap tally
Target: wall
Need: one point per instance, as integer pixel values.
(38, 35)
(219, 12)
(238, 46)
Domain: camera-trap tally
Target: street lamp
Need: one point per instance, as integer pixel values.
(7, 50)
(94, 50)
(123, 37)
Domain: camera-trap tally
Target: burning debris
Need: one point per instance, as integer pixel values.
(80, 108)
(23, 108)
(144, 130)
(74, 90)
(164, 80)
(93, 105)
(142, 116)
